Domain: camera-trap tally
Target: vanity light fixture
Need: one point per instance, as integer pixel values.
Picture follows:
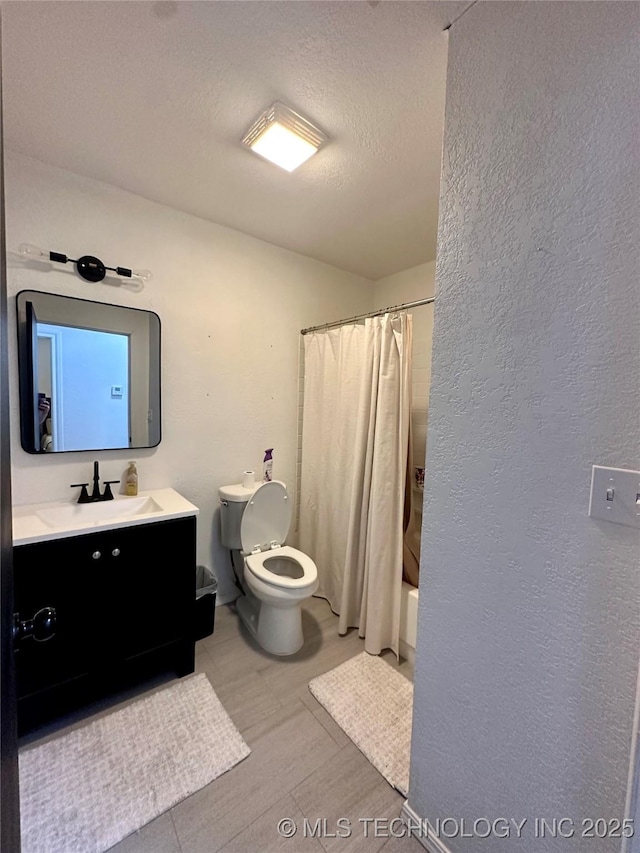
(88, 266)
(284, 137)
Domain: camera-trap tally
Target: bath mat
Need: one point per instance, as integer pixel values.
(372, 704)
(88, 789)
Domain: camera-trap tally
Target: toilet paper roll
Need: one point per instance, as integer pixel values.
(249, 479)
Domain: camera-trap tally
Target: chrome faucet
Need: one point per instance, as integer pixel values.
(86, 498)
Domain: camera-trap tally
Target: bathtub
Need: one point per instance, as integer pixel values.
(408, 621)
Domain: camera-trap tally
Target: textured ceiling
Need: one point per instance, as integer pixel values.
(154, 98)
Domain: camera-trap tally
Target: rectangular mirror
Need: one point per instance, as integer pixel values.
(89, 374)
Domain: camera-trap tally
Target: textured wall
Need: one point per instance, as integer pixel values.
(231, 309)
(529, 624)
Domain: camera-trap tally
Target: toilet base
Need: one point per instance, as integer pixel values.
(248, 608)
(277, 629)
(280, 629)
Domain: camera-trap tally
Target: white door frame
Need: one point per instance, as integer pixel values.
(57, 419)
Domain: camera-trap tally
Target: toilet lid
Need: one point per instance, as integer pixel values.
(266, 518)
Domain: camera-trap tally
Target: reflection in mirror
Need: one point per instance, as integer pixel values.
(89, 374)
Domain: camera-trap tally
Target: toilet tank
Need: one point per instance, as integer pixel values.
(233, 500)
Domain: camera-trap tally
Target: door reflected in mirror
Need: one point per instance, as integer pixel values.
(89, 374)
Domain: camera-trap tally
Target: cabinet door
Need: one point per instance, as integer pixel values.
(55, 574)
(151, 579)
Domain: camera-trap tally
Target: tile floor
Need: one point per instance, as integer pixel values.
(302, 764)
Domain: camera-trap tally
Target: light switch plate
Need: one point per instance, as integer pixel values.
(615, 495)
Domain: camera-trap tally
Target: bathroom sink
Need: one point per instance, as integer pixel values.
(60, 516)
(41, 522)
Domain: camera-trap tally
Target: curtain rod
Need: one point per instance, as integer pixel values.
(379, 313)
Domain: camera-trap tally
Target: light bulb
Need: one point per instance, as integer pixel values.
(144, 275)
(28, 250)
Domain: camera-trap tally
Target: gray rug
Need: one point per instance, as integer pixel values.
(86, 790)
(372, 704)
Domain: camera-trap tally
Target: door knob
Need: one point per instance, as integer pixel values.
(42, 626)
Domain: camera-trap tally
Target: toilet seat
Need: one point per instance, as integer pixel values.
(256, 564)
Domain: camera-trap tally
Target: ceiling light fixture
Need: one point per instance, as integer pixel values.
(284, 137)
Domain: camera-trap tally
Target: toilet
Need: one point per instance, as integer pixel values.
(276, 578)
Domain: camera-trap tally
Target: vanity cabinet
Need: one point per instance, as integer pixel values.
(124, 604)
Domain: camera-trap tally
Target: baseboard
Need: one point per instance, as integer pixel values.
(415, 823)
(407, 652)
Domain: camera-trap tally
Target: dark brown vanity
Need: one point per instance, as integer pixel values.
(99, 612)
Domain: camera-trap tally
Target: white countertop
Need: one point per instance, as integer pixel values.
(61, 519)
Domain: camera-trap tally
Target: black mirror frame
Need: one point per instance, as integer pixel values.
(25, 380)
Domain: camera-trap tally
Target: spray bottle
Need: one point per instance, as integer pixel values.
(267, 470)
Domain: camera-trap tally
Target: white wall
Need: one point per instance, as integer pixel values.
(231, 309)
(529, 626)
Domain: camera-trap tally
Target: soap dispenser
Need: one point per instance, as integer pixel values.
(131, 480)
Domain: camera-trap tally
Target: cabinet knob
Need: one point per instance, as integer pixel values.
(115, 552)
(96, 555)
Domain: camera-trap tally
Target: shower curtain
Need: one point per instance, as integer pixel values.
(357, 400)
